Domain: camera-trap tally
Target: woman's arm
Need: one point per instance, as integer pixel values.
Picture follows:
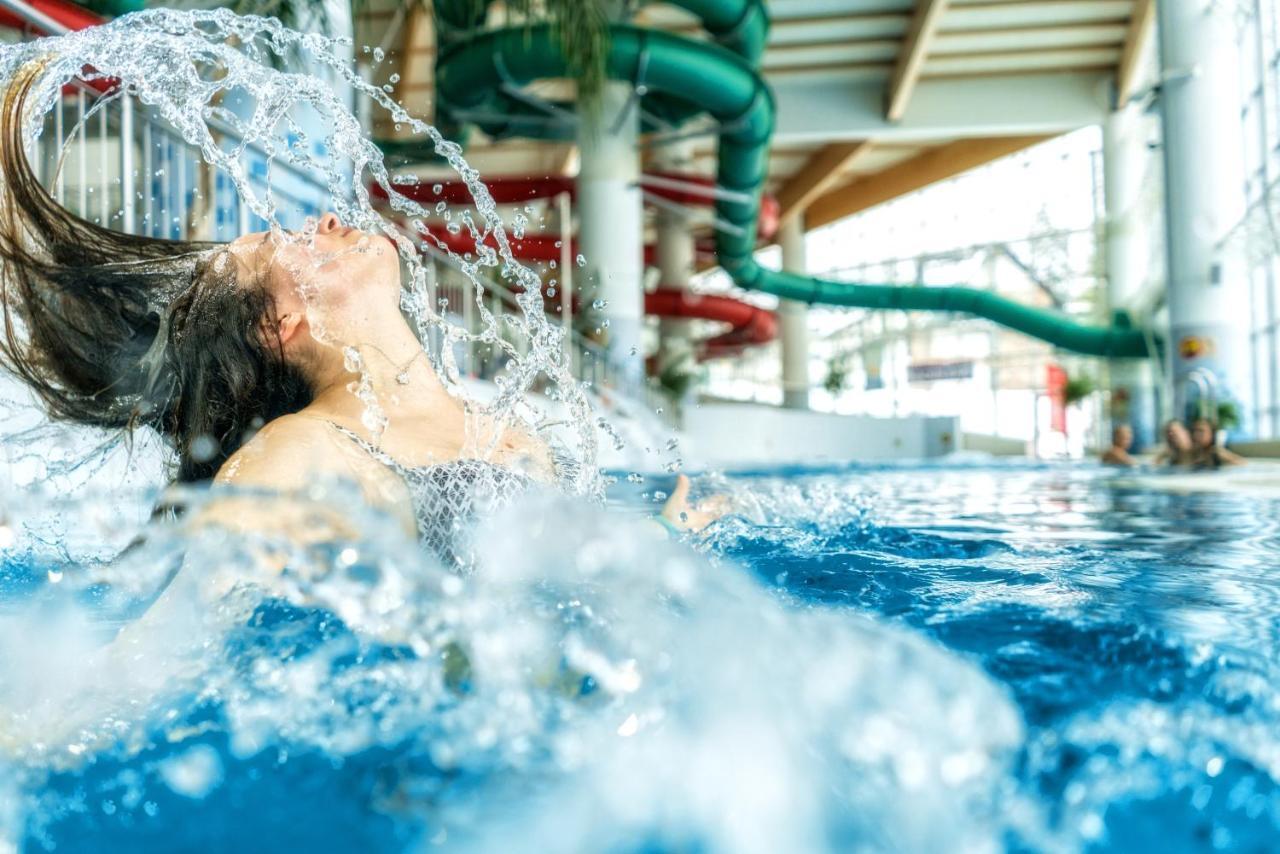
(678, 513)
(1229, 458)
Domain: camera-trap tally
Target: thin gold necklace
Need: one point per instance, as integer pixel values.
(402, 373)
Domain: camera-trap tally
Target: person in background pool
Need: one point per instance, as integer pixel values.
(241, 356)
(1206, 454)
(1118, 453)
(1177, 450)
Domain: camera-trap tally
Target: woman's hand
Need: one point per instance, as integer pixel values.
(680, 513)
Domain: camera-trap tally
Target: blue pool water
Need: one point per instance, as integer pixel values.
(972, 657)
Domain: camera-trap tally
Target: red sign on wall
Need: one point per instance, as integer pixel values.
(1055, 381)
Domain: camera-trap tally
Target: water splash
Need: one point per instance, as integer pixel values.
(201, 71)
(590, 686)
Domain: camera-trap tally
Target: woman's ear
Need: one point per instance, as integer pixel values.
(288, 325)
(283, 327)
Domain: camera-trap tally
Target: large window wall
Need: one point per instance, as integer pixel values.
(1260, 234)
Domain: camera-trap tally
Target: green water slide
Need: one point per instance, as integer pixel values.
(681, 77)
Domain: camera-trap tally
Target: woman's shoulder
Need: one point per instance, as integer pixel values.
(285, 452)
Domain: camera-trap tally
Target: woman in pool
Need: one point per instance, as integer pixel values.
(1206, 454)
(241, 355)
(1177, 450)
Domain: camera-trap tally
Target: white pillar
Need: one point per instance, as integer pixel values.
(676, 259)
(793, 320)
(1209, 308)
(611, 222)
(1125, 159)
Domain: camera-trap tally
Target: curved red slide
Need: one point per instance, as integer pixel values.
(538, 247)
(514, 190)
(750, 325)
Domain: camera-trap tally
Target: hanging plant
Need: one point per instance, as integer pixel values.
(580, 26)
(1077, 389)
(837, 375)
(1228, 415)
(678, 378)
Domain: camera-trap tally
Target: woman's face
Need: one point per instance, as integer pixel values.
(336, 277)
(1202, 434)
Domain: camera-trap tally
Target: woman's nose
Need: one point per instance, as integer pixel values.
(329, 222)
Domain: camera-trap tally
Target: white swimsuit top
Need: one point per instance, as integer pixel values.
(448, 496)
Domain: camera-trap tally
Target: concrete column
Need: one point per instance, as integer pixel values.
(793, 320)
(1124, 158)
(1204, 195)
(676, 258)
(611, 223)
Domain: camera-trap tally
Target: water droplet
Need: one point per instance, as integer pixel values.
(394, 78)
(582, 260)
(379, 54)
(599, 304)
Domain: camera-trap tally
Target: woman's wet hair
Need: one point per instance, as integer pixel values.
(123, 331)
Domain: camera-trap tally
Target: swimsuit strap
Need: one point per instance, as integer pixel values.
(368, 447)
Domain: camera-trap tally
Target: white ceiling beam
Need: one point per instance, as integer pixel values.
(915, 48)
(822, 171)
(829, 108)
(1141, 27)
(927, 168)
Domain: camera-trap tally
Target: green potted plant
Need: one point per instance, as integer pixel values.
(837, 375)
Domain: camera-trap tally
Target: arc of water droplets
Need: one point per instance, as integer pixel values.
(183, 63)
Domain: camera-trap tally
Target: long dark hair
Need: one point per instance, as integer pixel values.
(123, 331)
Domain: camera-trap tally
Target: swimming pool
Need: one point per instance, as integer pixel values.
(959, 657)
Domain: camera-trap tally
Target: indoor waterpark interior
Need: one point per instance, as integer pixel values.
(612, 425)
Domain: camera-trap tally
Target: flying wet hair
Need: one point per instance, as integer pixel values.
(124, 331)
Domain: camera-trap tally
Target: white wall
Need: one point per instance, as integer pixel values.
(727, 434)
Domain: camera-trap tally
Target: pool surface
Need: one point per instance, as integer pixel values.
(952, 657)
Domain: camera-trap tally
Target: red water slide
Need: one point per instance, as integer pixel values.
(749, 324)
(673, 187)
